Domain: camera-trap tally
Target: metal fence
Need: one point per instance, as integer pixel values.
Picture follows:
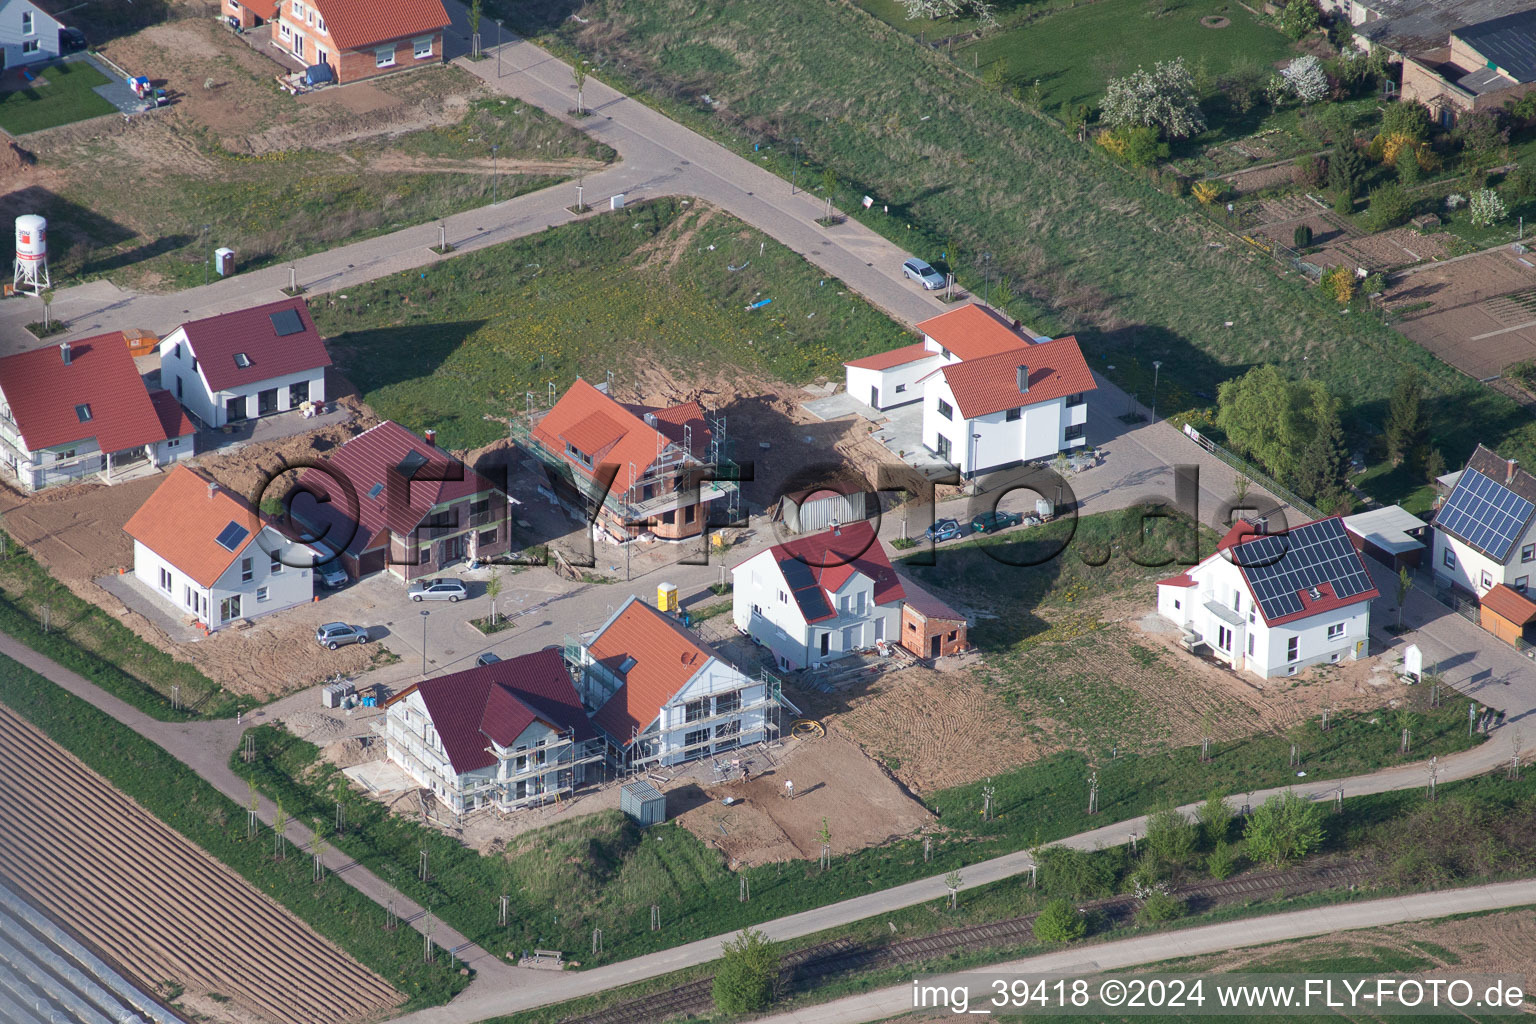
(1247, 469)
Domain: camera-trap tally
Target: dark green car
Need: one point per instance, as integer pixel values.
(990, 522)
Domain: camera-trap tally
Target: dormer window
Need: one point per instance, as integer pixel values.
(578, 455)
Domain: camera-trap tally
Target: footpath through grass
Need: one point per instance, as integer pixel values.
(965, 170)
(458, 346)
(175, 794)
(61, 93)
(86, 640)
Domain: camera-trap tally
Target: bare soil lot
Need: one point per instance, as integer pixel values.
(161, 907)
(1386, 249)
(1477, 320)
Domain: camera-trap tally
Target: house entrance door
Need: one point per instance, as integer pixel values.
(874, 395)
(451, 549)
(933, 647)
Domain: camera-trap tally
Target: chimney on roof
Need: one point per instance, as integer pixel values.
(650, 419)
(213, 488)
(431, 436)
(1023, 379)
(1509, 474)
(66, 353)
(1315, 594)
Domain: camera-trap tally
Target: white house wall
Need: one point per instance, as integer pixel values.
(887, 382)
(714, 679)
(289, 586)
(762, 606)
(211, 406)
(147, 566)
(954, 428)
(45, 32)
(1471, 564)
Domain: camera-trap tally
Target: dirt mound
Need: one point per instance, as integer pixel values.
(247, 471)
(314, 726)
(354, 750)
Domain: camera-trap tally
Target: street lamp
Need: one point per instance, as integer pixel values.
(1157, 364)
(202, 244)
(975, 449)
(794, 173)
(495, 173)
(424, 614)
(986, 274)
(498, 48)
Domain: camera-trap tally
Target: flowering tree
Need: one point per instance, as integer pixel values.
(984, 11)
(1305, 77)
(1485, 207)
(1163, 98)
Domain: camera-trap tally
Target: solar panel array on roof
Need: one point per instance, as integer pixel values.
(286, 322)
(1278, 566)
(807, 592)
(232, 536)
(1485, 514)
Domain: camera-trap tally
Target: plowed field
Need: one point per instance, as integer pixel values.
(160, 906)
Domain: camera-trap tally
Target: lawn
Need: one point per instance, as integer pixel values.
(458, 346)
(62, 94)
(1073, 53)
(37, 610)
(175, 794)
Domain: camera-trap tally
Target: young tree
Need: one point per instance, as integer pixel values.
(1215, 817)
(1345, 169)
(1406, 432)
(1404, 585)
(749, 967)
(1299, 17)
(1322, 471)
(1306, 79)
(1390, 206)
(1059, 921)
(1163, 98)
(579, 75)
(1221, 860)
(1160, 907)
(1434, 466)
(1338, 283)
(1137, 145)
(474, 25)
(493, 591)
(1407, 164)
(1284, 828)
(1170, 836)
(1406, 118)
(1485, 207)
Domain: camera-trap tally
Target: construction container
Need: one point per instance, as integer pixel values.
(335, 694)
(643, 802)
(666, 597)
(1044, 509)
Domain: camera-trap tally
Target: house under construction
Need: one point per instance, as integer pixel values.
(661, 698)
(642, 470)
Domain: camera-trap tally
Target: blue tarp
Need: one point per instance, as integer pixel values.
(319, 74)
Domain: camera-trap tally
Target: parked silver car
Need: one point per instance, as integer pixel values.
(923, 273)
(445, 588)
(338, 634)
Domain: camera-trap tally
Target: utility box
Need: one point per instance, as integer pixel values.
(643, 802)
(616, 202)
(224, 261)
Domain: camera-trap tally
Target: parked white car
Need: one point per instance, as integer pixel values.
(445, 588)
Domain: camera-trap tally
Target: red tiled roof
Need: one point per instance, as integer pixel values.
(173, 418)
(354, 23)
(43, 393)
(498, 702)
(833, 557)
(216, 340)
(264, 9)
(1241, 530)
(895, 357)
(1181, 580)
(1508, 603)
(671, 421)
(973, 332)
(602, 428)
(182, 520)
(370, 461)
(928, 605)
(989, 384)
(666, 657)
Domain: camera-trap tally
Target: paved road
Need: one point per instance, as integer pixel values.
(896, 1000)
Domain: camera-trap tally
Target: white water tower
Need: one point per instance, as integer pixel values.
(31, 253)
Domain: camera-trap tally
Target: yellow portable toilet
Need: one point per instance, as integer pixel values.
(666, 597)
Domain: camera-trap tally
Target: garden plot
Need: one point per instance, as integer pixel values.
(171, 916)
(1386, 249)
(1474, 313)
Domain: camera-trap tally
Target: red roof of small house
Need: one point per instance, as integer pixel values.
(98, 394)
(973, 332)
(183, 520)
(990, 384)
(602, 429)
(671, 420)
(375, 464)
(819, 564)
(665, 657)
(928, 605)
(1181, 580)
(1240, 531)
(173, 418)
(499, 702)
(913, 353)
(1509, 604)
(220, 342)
(355, 23)
(264, 9)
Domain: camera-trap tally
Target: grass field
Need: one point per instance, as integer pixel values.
(177, 796)
(85, 639)
(63, 93)
(1086, 246)
(456, 347)
(1073, 53)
